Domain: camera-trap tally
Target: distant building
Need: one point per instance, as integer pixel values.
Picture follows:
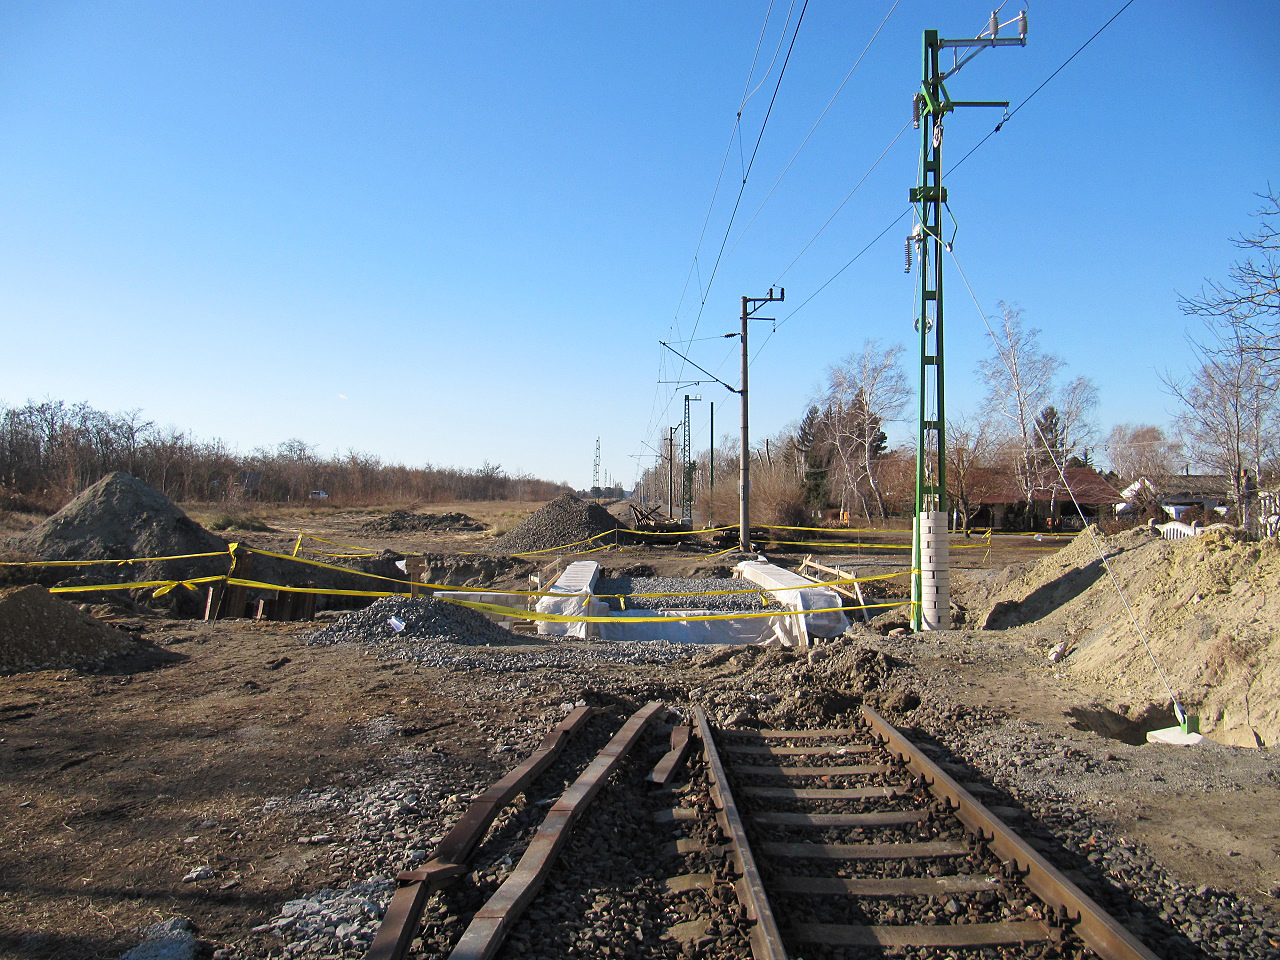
(1085, 497)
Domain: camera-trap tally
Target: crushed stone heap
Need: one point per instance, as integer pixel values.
(425, 620)
(401, 521)
(563, 521)
(39, 631)
(118, 518)
(1207, 604)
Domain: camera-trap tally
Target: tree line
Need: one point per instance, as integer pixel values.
(1032, 422)
(51, 450)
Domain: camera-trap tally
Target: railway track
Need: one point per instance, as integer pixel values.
(683, 840)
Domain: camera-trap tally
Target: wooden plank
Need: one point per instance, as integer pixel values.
(665, 770)
(770, 734)
(830, 751)
(884, 886)
(867, 851)
(934, 935)
(821, 793)
(849, 770)
(690, 881)
(400, 923)
(857, 821)
(674, 814)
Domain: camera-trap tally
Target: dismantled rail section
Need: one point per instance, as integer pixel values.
(449, 859)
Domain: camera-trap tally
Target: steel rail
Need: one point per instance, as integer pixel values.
(489, 926)
(1075, 909)
(448, 861)
(765, 937)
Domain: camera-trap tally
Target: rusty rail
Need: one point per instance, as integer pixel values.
(485, 933)
(448, 861)
(1099, 931)
(766, 939)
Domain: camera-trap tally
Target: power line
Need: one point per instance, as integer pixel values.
(809, 135)
(746, 173)
(1009, 116)
(706, 291)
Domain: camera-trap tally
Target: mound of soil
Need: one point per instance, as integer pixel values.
(118, 518)
(121, 518)
(401, 521)
(39, 631)
(565, 520)
(1206, 605)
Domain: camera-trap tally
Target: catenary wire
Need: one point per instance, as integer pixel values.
(809, 135)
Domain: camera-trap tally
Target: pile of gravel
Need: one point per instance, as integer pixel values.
(401, 521)
(565, 520)
(118, 518)
(440, 634)
(426, 620)
(712, 592)
(39, 631)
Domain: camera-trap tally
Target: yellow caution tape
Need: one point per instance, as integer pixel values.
(88, 563)
(165, 585)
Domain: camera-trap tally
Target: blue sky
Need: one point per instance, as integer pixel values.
(452, 233)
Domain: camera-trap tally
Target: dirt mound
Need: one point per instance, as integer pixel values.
(401, 521)
(118, 518)
(38, 631)
(565, 520)
(1207, 606)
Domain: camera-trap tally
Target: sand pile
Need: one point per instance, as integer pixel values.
(565, 520)
(1209, 608)
(39, 631)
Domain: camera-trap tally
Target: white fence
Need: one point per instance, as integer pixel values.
(1177, 530)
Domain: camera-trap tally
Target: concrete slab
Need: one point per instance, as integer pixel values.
(1174, 736)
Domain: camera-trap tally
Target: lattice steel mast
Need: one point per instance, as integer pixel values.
(930, 565)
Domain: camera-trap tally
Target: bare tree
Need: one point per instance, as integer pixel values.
(1141, 450)
(972, 449)
(1021, 380)
(864, 392)
(1230, 420)
(1250, 299)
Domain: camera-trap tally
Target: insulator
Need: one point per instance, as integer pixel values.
(908, 250)
(1022, 25)
(995, 23)
(915, 111)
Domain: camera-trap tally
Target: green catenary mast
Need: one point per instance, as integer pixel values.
(930, 566)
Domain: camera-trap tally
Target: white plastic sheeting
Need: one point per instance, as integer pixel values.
(676, 630)
(572, 598)
(774, 578)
